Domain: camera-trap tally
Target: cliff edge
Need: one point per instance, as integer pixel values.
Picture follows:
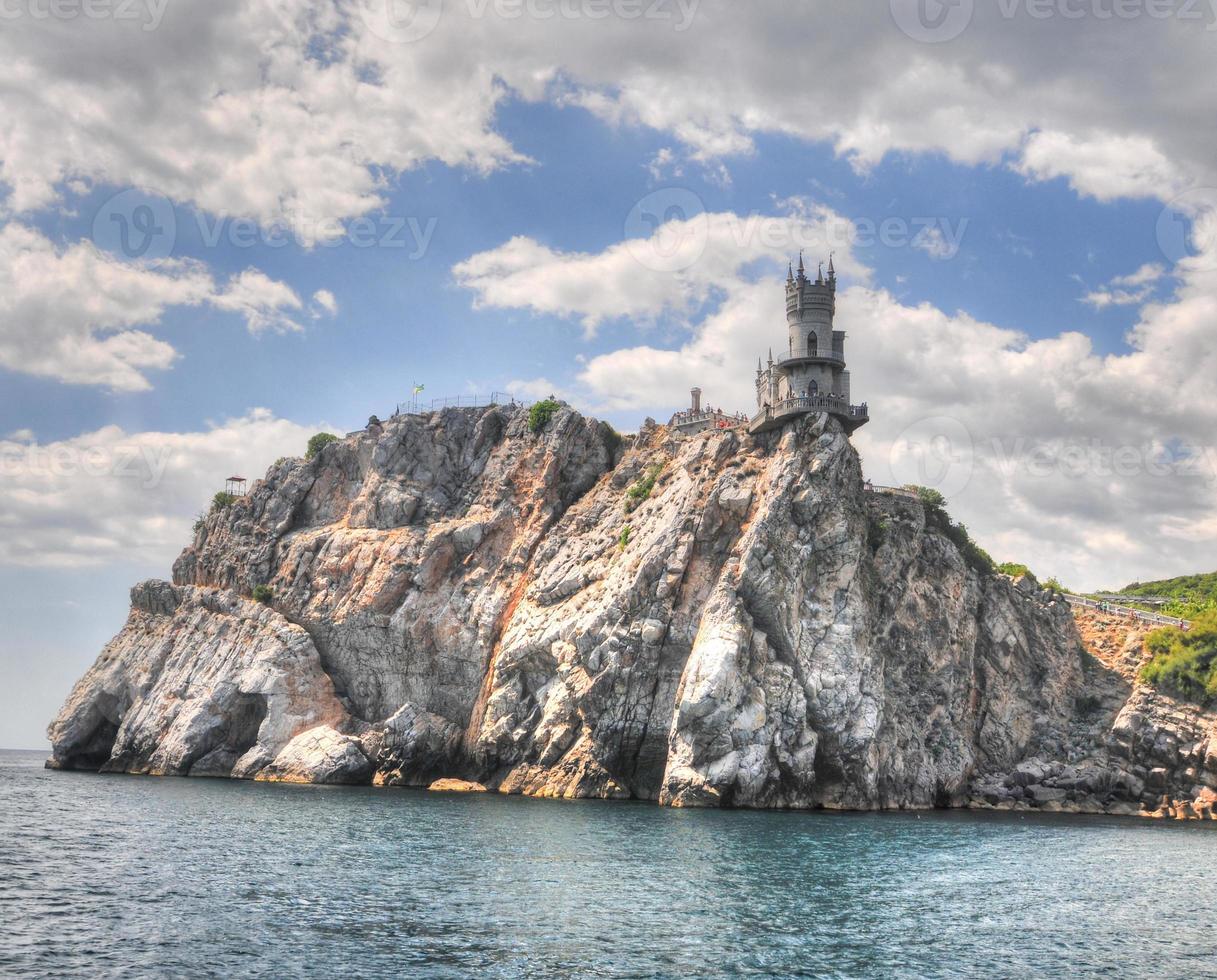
(712, 620)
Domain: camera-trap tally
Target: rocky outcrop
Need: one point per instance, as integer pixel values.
(1130, 749)
(714, 620)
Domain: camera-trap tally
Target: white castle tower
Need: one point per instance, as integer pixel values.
(809, 375)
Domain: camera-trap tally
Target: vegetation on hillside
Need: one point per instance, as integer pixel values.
(263, 594)
(1184, 664)
(938, 518)
(318, 443)
(642, 487)
(1191, 595)
(222, 501)
(541, 412)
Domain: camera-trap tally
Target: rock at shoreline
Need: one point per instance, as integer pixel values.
(705, 621)
(456, 786)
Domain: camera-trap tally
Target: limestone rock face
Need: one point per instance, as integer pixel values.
(703, 621)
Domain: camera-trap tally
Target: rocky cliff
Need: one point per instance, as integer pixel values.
(714, 620)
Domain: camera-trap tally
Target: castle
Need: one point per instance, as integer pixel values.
(810, 375)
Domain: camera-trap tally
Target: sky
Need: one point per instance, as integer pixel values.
(227, 225)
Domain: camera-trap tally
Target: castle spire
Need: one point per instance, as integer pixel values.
(820, 274)
(789, 272)
(800, 262)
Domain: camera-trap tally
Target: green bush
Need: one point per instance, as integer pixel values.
(199, 523)
(1184, 664)
(541, 412)
(222, 501)
(624, 537)
(318, 443)
(1013, 569)
(263, 594)
(1054, 584)
(927, 495)
(876, 533)
(642, 487)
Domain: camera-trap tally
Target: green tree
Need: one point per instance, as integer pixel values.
(263, 594)
(318, 443)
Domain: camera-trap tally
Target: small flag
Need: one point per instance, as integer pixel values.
(418, 388)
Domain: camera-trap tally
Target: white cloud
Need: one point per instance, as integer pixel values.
(1129, 290)
(265, 304)
(73, 313)
(112, 495)
(284, 110)
(673, 271)
(1079, 463)
(325, 301)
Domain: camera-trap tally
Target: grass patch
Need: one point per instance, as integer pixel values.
(642, 487)
(1184, 664)
(222, 501)
(624, 537)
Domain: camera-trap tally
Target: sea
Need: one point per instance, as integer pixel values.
(132, 876)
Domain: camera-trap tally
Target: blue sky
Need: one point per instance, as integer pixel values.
(516, 152)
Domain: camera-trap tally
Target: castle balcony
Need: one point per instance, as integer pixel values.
(771, 417)
(804, 355)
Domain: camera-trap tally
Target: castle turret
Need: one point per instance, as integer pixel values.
(810, 374)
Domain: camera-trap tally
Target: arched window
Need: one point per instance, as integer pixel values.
(811, 343)
(813, 389)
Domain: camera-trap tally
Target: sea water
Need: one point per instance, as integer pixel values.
(138, 876)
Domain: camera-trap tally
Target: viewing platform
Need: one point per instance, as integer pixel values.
(799, 355)
(770, 417)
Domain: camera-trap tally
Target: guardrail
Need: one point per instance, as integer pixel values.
(892, 491)
(1141, 614)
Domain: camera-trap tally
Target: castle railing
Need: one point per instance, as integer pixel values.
(1141, 614)
(804, 353)
(770, 416)
(820, 403)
